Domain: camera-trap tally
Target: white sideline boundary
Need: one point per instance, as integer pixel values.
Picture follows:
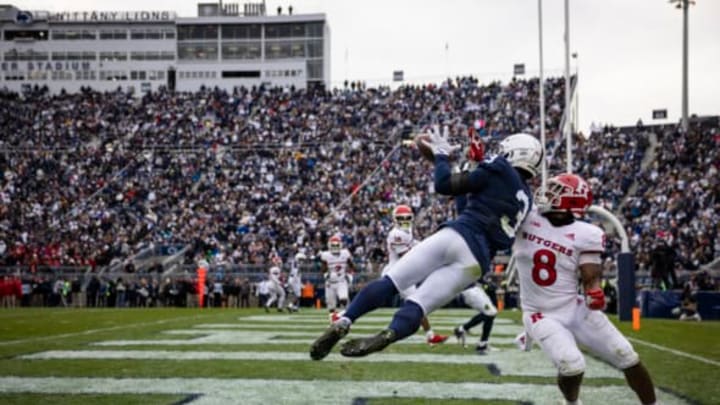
(675, 352)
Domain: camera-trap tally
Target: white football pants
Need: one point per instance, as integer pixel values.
(476, 298)
(335, 292)
(443, 263)
(559, 334)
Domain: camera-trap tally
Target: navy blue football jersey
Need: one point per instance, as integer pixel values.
(496, 202)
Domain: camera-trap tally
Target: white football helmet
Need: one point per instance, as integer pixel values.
(523, 151)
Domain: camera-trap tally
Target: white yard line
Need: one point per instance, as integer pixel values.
(508, 362)
(675, 352)
(92, 331)
(316, 392)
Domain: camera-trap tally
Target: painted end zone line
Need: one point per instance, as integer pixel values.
(675, 352)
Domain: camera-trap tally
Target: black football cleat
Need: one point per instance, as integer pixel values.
(482, 348)
(322, 346)
(364, 346)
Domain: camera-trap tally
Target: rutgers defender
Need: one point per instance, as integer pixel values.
(551, 250)
(399, 240)
(276, 290)
(336, 261)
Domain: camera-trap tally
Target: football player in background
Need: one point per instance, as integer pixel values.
(476, 298)
(295, 281)
(399, 241)
(337, 267)
(551, 250)
(458, 253)
(276, 290)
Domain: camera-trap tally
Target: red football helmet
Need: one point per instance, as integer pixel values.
(568, 193)
(403, 216)
(335, 244)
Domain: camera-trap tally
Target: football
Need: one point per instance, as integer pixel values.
(425, 151)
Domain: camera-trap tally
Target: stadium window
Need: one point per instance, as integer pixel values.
(86, 34)
(243, 31)
(137, 34)
(37, 75)
(112, 56)
(278, 50)
(89, 56)
(58, 56)
(314, 30)
(297, 49)
(167, 55)
(11, 55)
(169, 34)
(197, 51)
(315, 69)
(315, 48)
(74, 56)
(193, 32)
(153, 34)
(26, 35)
(240, 50)
(234, 74)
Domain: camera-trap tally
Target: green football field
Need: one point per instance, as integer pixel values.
(221, 356)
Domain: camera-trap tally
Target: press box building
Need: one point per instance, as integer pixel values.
(226, 45)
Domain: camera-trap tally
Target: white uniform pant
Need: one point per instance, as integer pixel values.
(296, 286)
(558, 333)
(443, 263)
(276, 293)
(404, 293)
(335, 292)
(476, 298)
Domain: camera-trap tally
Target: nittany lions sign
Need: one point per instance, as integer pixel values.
(114, 16)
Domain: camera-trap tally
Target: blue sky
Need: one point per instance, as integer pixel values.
(629, 52)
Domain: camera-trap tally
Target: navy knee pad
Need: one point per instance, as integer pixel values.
(407, 320)
(370, 298)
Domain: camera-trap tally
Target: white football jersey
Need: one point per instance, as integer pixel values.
(546, 258)
(337, 264)
(399, 241)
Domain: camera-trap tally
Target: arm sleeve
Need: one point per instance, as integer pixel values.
(447, 183)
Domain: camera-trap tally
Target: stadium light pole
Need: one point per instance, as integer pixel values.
(566, 130)
(541, 84)
(684, 5)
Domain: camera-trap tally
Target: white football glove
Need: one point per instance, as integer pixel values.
(438, 142)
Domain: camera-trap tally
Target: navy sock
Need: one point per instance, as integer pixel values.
(406, 320)
(370, 298)
(474, 321)
(487, 327)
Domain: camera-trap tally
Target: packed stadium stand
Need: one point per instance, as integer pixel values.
(100, 180)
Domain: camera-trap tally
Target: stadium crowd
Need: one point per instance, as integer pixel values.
(92, 178)
(89, 178)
